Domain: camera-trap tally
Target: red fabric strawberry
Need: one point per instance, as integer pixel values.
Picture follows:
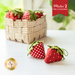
(29, 15)
(17, 13)
(8, 14)
(12, 16)
(39, 13)
(26, 15)
(54, 53)
(36, 50)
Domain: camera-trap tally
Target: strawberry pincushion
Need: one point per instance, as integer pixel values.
(55, 53)
(39, 13)
(15, 14)
(36, 50)
(29, 15)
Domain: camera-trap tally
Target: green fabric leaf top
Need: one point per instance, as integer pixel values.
(32, 45)
(17, 11)
(33, 15)
(38, 11)
(59, 50)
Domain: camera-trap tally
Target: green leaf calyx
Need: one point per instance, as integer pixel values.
(59, 50)
(32, 45)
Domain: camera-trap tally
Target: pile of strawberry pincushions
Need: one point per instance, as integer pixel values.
(18, 13)
(54, 53)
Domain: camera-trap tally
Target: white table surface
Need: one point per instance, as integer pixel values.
(32, 66)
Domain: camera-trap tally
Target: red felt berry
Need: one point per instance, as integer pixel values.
(29, 15)
(54, 53)
(36, 50)
(8, 14)
(14, 14)
(39, 13)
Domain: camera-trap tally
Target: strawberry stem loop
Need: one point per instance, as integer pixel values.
(32, 45)
(59, 50)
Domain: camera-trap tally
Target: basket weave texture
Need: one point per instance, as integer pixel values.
(25, 31)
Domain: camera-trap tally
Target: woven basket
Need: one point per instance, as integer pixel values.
(25, 31)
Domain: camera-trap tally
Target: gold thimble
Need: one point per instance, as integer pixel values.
(11, 63)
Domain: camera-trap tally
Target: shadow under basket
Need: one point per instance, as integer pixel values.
(25, 31)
